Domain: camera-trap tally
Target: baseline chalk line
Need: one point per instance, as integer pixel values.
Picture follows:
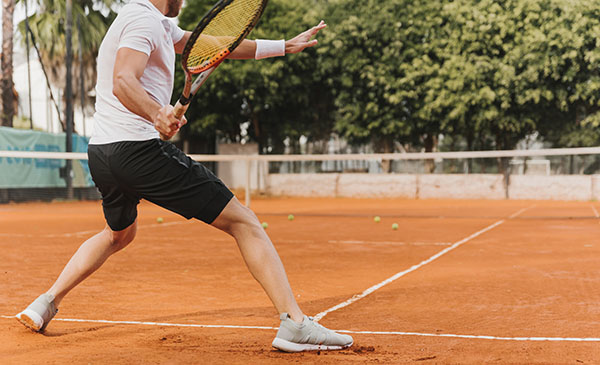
(477, 337)
(397, 333)
(161, 324)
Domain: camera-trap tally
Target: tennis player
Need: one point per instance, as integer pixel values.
(128, 162)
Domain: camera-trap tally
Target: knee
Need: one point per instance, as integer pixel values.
(246, 222)
(120, 239)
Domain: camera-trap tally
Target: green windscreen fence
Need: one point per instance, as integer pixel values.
(25, 178)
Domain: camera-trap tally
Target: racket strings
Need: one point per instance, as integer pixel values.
(222, 33)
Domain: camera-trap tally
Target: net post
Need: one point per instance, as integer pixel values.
(248, 181)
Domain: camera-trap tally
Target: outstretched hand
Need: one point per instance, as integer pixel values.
(303, 40)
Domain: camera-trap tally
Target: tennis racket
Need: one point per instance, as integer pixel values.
(217, 34)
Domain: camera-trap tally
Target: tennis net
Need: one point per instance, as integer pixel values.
(562, 174)
(45, 176)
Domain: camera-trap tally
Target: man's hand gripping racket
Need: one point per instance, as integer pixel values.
(217, 34)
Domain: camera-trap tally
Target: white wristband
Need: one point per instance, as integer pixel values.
(269, 48)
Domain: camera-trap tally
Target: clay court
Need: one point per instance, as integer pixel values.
(460, 281)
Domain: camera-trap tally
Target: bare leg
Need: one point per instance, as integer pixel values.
(89, 257)
(260, 256)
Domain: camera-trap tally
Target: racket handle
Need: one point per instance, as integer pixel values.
(179, 109)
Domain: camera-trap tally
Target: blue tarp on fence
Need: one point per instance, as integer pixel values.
(39, 173)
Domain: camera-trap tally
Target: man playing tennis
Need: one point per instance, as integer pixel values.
(129, 162)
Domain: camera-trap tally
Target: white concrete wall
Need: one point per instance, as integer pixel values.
(314, 185)
(435, 186)
(381, 186)
(554, 187)
(235, 174)
(595, 187)
(459, 186)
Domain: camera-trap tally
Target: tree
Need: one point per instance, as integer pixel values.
(478, 94)
(48, 28)
(362, 57)
(482, 72)
(8, 109)
(572, 76)
(265, 101)
(514, 68)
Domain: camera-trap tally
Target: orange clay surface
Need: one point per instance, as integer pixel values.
(536, 274)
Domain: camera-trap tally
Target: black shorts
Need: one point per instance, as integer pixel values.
(157, 171)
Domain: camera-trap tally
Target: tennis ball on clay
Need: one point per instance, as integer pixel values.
(290, 217)
(395, 226)
(377, 219)
(159, 220)
(265, 225)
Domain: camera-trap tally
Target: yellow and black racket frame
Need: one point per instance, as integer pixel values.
(186, 96)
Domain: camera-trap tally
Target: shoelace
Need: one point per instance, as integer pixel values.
(321, 330)
(318, 324)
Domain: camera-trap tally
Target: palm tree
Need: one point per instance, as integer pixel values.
(8, 109)
(48, 28)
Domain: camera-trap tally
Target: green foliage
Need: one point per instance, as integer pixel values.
(276, 98)
(486, 71)
(363, 58)
(48, 25)
(484, 74)
(48, 28)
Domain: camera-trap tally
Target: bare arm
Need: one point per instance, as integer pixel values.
(244, 50)
(247, 48)
(129, 68)
(181, 44)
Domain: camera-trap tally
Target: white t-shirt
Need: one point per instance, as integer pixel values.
(142, 27)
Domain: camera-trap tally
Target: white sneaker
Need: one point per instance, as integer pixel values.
(308, 336)
(39, 313)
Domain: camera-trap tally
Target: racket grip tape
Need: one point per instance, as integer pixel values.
(179, 109)
(178, 112)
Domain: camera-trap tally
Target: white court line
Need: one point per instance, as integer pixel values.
(348, 242)
(514, 215)
(80, 233)
(398, 243)
(393, 278)
(595, 211)
(360, 242)
(475, 337)
(155, 323)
